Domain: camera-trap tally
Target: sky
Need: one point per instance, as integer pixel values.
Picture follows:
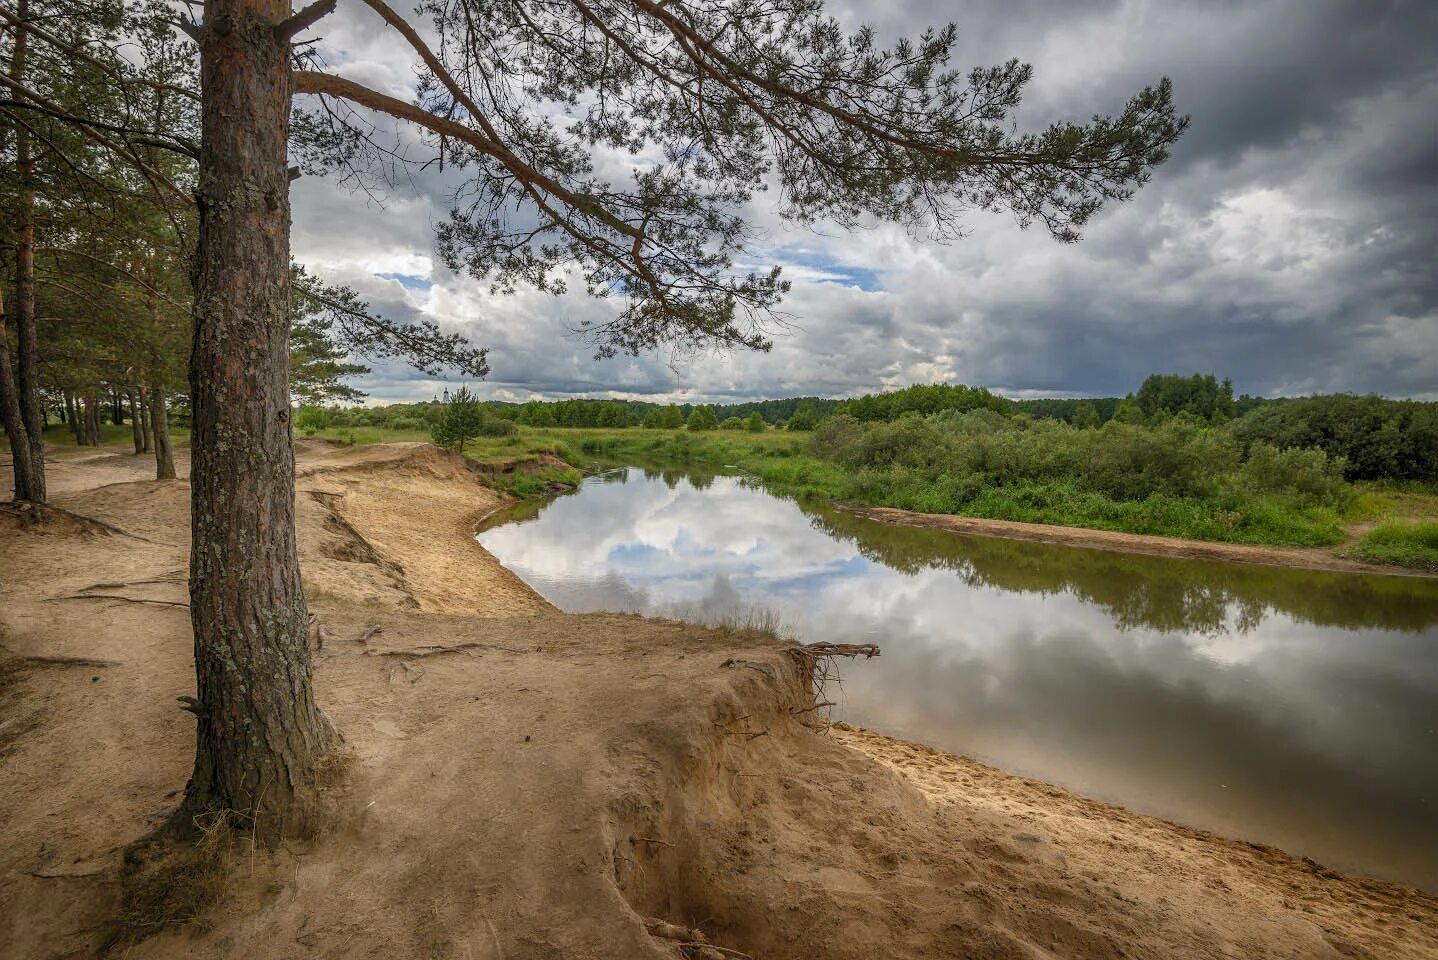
(1290, 242)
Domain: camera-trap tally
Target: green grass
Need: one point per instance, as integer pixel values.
(1400, 543)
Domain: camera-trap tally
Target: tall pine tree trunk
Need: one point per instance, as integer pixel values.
(164, 454)
(10, 413)
(260, 733)
(137, 419)
(26, 358)
(117, 407)
(92, 420)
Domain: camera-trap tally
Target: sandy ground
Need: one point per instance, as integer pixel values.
(1307, 558)
(528, 784)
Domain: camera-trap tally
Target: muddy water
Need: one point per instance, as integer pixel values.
(1289, 707)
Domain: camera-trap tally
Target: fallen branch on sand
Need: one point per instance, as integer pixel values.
(436, 649)
(66, 874)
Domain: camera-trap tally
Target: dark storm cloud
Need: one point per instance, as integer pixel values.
(1290, 242)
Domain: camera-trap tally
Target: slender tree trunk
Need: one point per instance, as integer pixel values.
(117, 407)
(74, 417)
(26, 358)
(60, 405)
(260, 733)
(10, 412)
(147, 416)
(164, 456)
(137, 419)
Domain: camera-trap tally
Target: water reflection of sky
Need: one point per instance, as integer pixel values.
(1290, 707)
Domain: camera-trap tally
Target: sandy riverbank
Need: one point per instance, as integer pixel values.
(529, 784)
(1304, 558)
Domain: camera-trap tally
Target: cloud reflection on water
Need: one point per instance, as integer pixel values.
(1293, 707)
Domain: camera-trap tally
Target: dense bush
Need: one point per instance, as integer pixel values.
(492, 426)
(1181, 476)
(1378, 439)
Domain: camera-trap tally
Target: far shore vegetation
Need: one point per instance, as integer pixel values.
(1180, 457)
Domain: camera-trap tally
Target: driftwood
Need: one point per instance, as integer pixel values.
(825, 649)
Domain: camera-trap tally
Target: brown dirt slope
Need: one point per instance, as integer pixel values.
(526, 784)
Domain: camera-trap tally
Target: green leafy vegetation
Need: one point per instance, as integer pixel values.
(1401, 544)
(1178, 457)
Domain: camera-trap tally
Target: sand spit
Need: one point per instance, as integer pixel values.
(529, 784)
(1304, 558)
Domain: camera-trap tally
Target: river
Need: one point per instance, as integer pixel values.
(1289, 707)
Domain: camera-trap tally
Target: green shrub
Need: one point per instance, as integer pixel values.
(492, 426)
(1401, 544)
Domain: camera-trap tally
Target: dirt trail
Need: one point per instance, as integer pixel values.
(1305, 558)
(528, 784)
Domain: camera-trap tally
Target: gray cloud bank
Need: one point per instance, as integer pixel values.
(1290, 242)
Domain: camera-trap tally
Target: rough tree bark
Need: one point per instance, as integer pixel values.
(261, 735)
(164, 454)
(92, 420)
(10, 411)
(117, 407)
(137, 420)
(30, 485)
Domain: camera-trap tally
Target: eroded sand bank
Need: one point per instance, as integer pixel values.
(528, 784)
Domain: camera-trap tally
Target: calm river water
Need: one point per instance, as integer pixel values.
(1289, 707)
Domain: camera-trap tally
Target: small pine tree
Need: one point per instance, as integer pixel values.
(672, 418)
(462, 420)
(703, 418)
(754, 423)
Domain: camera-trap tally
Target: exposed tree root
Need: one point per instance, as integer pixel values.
(173, 576)
(118, 596)
(27, 516)
(690, 940)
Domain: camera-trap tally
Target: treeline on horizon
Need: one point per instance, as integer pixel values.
(1375, 437)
